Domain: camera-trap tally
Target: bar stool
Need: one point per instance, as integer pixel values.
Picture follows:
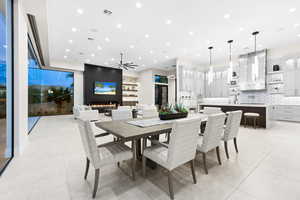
(250, 115)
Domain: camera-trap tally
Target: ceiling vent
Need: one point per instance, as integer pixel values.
(91, 39)
(107, 12)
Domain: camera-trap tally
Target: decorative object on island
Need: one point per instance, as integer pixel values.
(127, 65)
(173, 112)
(255, 65)
(276, 68)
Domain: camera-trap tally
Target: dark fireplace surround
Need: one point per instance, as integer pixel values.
(93, 73)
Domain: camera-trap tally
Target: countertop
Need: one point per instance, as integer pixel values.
(237, 105)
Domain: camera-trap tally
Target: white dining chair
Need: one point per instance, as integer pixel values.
(121, 114)
(211, 110)
(101, 155)
(181, 149)
(124, 108)
(212, 137)
(150, 113)
(231, 129)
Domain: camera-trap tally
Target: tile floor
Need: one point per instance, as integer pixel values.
(52, 167)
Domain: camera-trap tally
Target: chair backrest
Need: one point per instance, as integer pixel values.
(183, 141)
(232, 124)
(148, 113)
(89, 142)
(213, 131)
(121, 114)
(124, 108)
(211, 110)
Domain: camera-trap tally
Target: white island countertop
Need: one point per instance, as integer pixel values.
(237, 105)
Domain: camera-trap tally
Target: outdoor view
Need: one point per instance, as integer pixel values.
(105, 88)
(50, 92)
(5, 133)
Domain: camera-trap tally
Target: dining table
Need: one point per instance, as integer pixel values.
(126, 130)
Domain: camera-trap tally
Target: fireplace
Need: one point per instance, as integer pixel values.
(104, 107)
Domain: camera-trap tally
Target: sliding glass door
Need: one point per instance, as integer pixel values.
(6, 148)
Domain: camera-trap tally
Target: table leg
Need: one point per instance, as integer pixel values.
(139, 149)
(133, 147)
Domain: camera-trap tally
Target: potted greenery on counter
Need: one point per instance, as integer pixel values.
(173, 112)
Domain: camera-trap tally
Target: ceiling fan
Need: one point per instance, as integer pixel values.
(125, 65)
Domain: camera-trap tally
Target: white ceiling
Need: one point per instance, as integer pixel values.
(205, 18)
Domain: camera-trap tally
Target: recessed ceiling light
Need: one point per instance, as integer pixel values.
(93, 55)
(292, 10)
(151, 52)
(131, 46)
(138, 4)
(298, 35)
(105, 63)
(226, 16)
(79, 11)
(296, 25)
(242, 29)
(143, 65)
(65, 57)
(99, 47)
(168, 44)
(119, 26)
(155, 61)
(107, 39)
(168, 21)
(71, 41)
(191, 33)
(167, 57)
(198, 54)
(112, 59)
(140, 58)
(74, 29)
(147, 36)
(68, 50)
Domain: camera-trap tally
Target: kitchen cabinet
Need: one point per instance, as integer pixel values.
(286, 112)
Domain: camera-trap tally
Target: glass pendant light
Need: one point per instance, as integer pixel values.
(211, 70)
(230, 69)
(255, 65)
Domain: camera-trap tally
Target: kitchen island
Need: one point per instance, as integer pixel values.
(263, 110)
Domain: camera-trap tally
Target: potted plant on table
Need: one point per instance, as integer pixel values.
(173, 112)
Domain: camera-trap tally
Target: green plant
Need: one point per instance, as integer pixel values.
(170, 109)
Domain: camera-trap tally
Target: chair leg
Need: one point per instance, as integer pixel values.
(87, 168)
(218, 155)
(97, 173)
(235, 145)
(204, 163)
(170, 185)
(192, 163)
(226, 149)
(133, 158)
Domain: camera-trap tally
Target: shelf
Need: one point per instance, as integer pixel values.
(275, 82)
(275, 72)
(130, 90)
(131, 84)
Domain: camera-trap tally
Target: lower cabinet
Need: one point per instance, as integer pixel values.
(286, 112)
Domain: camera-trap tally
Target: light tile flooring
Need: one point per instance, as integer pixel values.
(52, 167)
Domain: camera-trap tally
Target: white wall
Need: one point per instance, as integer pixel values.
(78, 88)
(146, 90)
(20, 78)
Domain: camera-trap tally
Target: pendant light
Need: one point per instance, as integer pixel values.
(255, 65)
(211, 70)
(230, 69)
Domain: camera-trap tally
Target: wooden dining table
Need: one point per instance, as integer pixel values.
(125, 131)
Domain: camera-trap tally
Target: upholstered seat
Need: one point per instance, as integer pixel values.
(212, 136)
(248, 114)
(231, 129)
(100, 155)
(181, 149)
(114, 153)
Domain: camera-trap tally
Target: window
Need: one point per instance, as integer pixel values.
(50, 92)
(6, 148)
